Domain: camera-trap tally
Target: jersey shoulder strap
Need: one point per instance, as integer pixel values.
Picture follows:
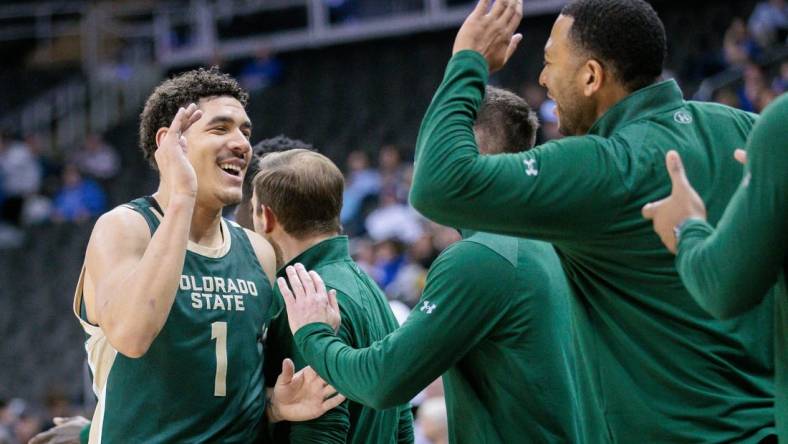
(149, 209)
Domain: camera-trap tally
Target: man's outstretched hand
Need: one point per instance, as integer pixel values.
(308, 301)
(682, 204)
(300, 396)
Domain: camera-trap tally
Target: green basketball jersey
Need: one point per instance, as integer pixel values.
(201, 379)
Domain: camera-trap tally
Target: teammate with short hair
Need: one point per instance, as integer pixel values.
(296, 203)
(728, 270)
(243, 212)
(494, 317)
(174, 298)
(653, 366)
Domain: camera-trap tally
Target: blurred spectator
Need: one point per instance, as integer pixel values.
(754, 85)
(80, 198)
(769, 22)
(533, 94)
(97, 159)
(362, 183)
(738, 46)
(261, 72)
(727, 96)
(392, 172)
(393, 219)
(548, 122)
(389, 259)
(432, 421)
(21, 177)
(363, 251)
(780, 83)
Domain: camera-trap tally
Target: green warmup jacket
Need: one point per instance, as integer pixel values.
(730, 269)
(494, 317)
(366, 317)
(653, 366)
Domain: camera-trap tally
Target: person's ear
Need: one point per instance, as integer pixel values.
(593, 77)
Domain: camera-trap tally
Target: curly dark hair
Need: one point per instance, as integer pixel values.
(627, 35)
(180, 91)
(507, 121)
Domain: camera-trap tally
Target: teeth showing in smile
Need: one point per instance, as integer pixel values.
(230, 168)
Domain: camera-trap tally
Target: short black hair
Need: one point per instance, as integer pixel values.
(180, 91)
(625, 34)
(507, 121)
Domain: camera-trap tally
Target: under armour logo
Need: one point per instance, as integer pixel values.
(529, 167)
(427, 307)
(683, 117)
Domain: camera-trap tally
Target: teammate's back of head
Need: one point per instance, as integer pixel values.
(243, 213)
(303, 189)
(505, 123)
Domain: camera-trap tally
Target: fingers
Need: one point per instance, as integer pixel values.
(306, 279)
(741, 156)
(514, 19)
(332, 300)
(57, 420)
(295, 282)
(288, 369)
(650, 209)
(499, 8)
(509, 13)
(481, 8)
(42, 438)
(678, 177)
(287, 295)
(175, 126)
(513, 43)
(320, 287)
(328, 391)
(193, 114)
(333, 402)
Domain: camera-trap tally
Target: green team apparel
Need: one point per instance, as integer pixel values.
(653, 366)
(366, 317)
(494, 317)
(201, 380)
(730, 269)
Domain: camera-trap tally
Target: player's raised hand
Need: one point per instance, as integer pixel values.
(682, 204)
(176, 170)
(308, 301)
(490, 31)
(300, 396)
(66, 431)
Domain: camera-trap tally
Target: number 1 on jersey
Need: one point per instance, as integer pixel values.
(219, 332)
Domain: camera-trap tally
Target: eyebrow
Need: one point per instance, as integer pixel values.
(228, 120)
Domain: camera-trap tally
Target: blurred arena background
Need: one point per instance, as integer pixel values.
(351, 77)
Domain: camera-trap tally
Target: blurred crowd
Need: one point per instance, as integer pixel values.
(38, 187)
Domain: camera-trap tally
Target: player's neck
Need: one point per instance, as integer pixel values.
(608, 97)
(292, 247)
(205, 228)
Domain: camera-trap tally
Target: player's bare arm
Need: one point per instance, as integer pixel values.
(265, 254)
(490, 31)
(132, 278)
